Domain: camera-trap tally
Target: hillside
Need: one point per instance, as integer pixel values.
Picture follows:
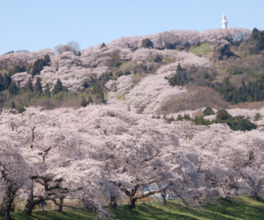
(141, 116)
(124, 69)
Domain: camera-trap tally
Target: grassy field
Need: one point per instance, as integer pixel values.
(240, 208)
(203, 49)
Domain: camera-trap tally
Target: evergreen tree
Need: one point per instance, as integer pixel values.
(39, 64)
(147, 43)
(12, 105)
(47, 90)
(29, 86)
(90, 100)
(1, 83)
(38, 86)
(102, 45)
(6, 81)
(84, 102)
(46, 60)
(13, 89)
(58, 87)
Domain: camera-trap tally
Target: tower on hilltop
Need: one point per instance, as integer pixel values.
(224, 22)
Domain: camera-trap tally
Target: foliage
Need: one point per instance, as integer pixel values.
(180, 78)
(258, 36)
(39, 65)
(102, 45)
(199, 120)
(85, 102)
(6, 81)
(147, 43)
(38, 86)
(257, 117)
(253, 91)
(29, 86)
(58, 87)
(157, 59)
(170, 46)
(17, 69)
(208, 111)
(225, 52)
(13, 89)
(240, 123)
(222, 115)
(237, 123)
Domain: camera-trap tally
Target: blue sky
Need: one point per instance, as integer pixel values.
(40, 24)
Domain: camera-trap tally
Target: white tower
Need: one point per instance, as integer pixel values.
(224, 22)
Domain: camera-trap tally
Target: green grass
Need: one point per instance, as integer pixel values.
(240, 208)
(55, 215)
(203, 49)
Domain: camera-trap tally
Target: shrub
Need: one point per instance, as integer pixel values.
(257, 117)
(201, 121)
(187, 117)
(208, 111)
(179, 118)
(157, 59)
(240, 123)
(222, 115)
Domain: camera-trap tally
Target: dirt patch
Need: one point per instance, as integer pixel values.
(194, 99)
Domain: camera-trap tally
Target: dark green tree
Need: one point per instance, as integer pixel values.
(47, 90)
(1, 83)
(102, 45)
(84, 102)
(29, 86)
(6, 81)
(12, 105)
(90, 100)
(208, 111)
(240, 123)
(147, 43)
(180, 78)
(222, 115)
(46, 60)
(13, 89)
(58, 87)
(39, 65)
(38, 86)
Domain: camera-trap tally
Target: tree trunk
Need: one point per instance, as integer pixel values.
(132, 203)
(113, 202)
(61, 204)
(164, 199)
(30, 203)
(30, 206)
(6, 205)
(256, 196)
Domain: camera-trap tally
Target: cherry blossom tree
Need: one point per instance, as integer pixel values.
(13, 175)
